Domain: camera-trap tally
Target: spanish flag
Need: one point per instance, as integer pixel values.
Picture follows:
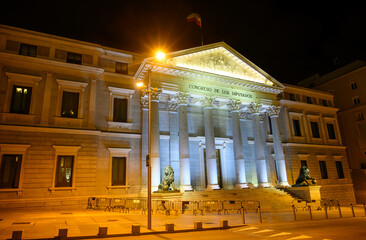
(195, 17)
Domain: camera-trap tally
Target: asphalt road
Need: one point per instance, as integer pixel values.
(335, 229)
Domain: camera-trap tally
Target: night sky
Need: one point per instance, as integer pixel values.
(290, 40)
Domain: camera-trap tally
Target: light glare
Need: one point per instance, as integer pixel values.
(160, 55)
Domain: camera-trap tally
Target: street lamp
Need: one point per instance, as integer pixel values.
(159, 56)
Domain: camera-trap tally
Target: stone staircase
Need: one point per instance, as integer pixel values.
(269, 198)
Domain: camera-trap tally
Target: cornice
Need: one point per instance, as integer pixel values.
(307, 106)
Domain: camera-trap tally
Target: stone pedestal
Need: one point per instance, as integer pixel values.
(307, 193)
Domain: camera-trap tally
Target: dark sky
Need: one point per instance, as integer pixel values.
(290, 40)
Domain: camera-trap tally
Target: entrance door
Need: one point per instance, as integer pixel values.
(218, 166)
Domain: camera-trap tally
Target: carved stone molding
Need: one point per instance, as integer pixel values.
(207, 101)
(254, 108)
(273, 111)
(234, 104)
(182, 97)
(172, 105)
(145, 101)
(155, 93)
(244, 115)
(262, 116)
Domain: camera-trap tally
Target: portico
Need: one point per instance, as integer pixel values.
(209, 88)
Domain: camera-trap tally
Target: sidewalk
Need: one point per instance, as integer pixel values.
(40, 223)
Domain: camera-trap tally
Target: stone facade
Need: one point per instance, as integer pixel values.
(73, 124)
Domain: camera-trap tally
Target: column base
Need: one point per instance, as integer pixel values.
(263, 185)
(283, 184)
(213, 187)
(185, 188)
(241, 185)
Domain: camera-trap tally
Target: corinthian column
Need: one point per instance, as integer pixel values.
(238, 144)
(273, 112)
(212, 178)
(259, 147)
(155, 139)
(184, 164)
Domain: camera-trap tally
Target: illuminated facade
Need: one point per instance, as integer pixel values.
(73, 124)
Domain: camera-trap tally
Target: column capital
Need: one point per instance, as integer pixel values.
(234, 104)
(172, 105)
(254, 108)
(273, 111)
(155, 93)
(207, 101)
(182, 97)
(145, 101)
(262, 116)
(243, 115)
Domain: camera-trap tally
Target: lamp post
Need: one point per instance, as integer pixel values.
(159, 56)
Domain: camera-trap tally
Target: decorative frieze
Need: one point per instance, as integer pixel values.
(234, 104)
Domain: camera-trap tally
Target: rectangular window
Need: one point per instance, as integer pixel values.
(304, 163)
(325, 103)
(121, 67)
(323, 169)
(360, 116)
(297, 129)
(70, 104)
(10, 171)
(331, 132)
(309, 100)
(339, 169)
(21, 100)
(353, 85)
(64, 171)
(28, 50)
(356, 100)
(315, 129)
(120, 110)
(118, 171)
(292, 97)
(73, 58)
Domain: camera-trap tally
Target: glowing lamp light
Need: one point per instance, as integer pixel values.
(160, 55)
(139, 84)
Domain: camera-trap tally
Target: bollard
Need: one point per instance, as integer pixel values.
(169, 227)
(198, 225)
(340, 211)
(294, 212)
(326, 211)
(17, 235)
(311, 214)
(353, 211)
(135, 229)
(102, 231)
(364, 208)
(243, 215)
(224, 224)
(260, 214)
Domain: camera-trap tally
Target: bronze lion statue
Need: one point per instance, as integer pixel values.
(168, 180)
(302, 179)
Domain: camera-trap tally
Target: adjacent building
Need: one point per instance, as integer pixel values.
(349, 88)
(73, 124)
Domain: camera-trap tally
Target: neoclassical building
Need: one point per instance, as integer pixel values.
(73, 124)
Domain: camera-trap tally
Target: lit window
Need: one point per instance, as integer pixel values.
(118, 171)
(297, 129)
(28, 50)
(353, 85)
(70, 104)
(73, 58)
(120, 110)
(323, 169)
(21, 100)
(315, 129)
(10, 171)
(64, 171)
(331, 132)
(121, 68)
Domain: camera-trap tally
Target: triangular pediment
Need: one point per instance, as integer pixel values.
(222, 60)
